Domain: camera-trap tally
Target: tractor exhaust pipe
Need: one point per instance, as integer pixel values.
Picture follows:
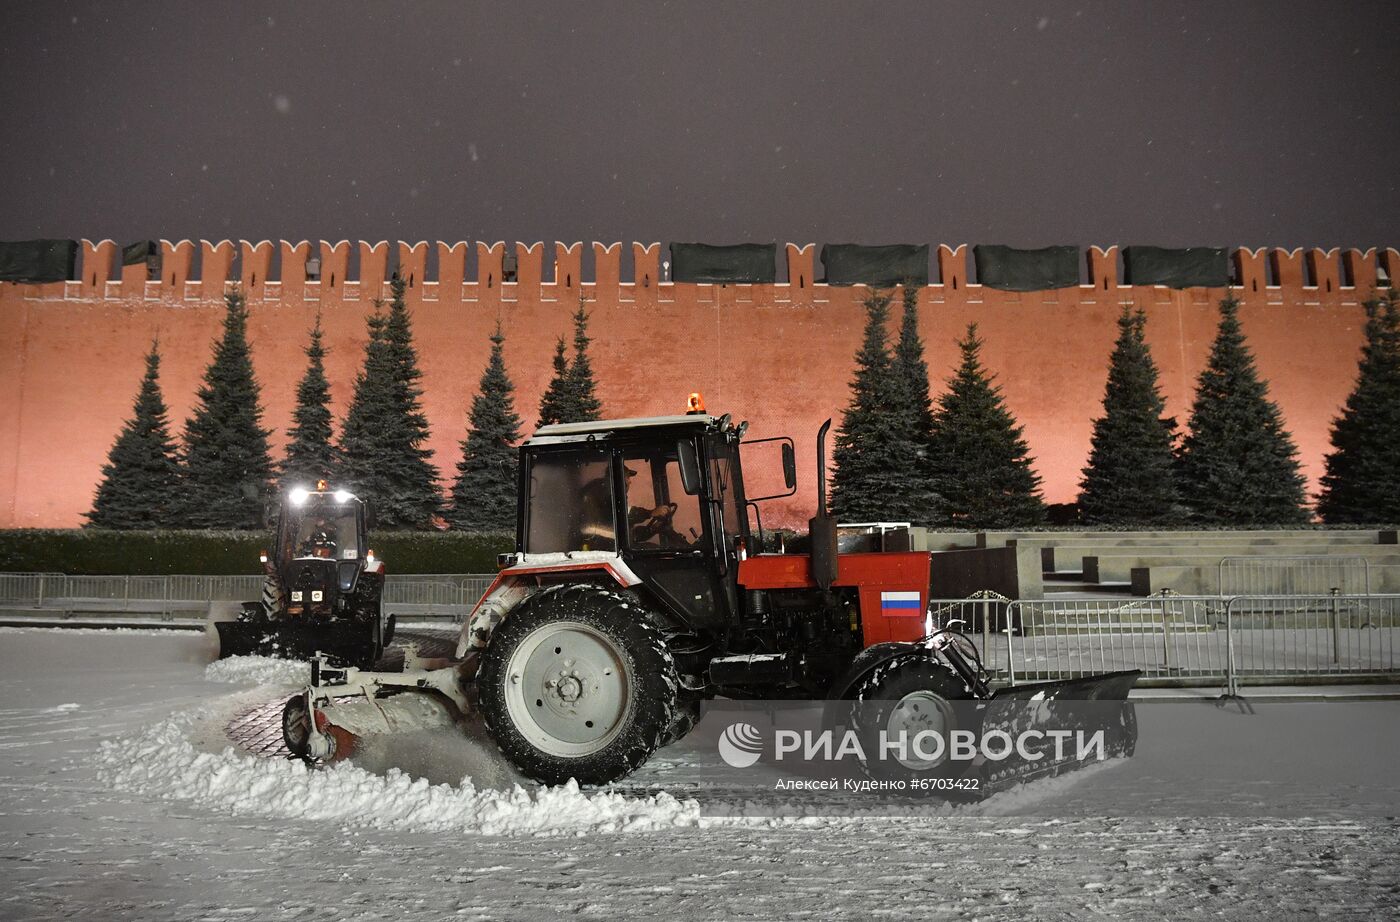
(821, 528)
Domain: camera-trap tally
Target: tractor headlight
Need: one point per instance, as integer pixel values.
(298, 496)
(316, 595)
(296, 595)
(342, 496)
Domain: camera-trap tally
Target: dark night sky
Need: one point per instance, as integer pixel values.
(1020, 123)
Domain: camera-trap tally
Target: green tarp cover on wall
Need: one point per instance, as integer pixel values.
(38, 260)
(744, 262)
(876, 266)
(1206, 267)
(1010, 269)
(138, 252)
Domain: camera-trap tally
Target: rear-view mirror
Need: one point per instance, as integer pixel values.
(690, 466)
(789, 466)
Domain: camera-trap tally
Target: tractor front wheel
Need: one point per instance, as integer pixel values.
(900, 699)
(577, 683)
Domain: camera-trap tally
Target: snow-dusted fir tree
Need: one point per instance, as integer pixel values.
(226, 462)
(141, 479)
(1131, 479)
(1237, 463)
(1362, 479)
(311, 453)
(581, 403)
(980, 460)
(382, 455)
(483, 495)
(554, 403)
(877, 475)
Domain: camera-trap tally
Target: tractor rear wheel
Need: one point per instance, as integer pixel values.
(901, 698)
(577, 683)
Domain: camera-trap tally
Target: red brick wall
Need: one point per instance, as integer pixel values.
(776, 355)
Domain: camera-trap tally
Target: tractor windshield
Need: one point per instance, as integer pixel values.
(571, 504)
(324, 529)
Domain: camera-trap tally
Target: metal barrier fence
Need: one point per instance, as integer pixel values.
(444, 598)
(1315, 574)
(1331, 635)
(1186, 639)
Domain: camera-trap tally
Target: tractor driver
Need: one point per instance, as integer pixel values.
(651, 524)
(319, 540)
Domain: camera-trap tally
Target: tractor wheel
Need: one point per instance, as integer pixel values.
(905, 696)
(296, 726)
(577, 683)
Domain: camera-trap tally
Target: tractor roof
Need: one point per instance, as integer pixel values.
(572, 432)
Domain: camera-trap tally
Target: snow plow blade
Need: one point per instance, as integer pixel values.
(1109, 686)
(1092, 708)
(345, 642)
(343, 707)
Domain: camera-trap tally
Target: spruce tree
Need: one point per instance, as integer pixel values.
(1238, 465)
(581, 402)
(980, 461)
(1130, 479)
(911, 367)
(910, 382)
(226, 461)
(876, 474)
(383, 458)
(483, 495)
(554, 404)
(311, 453)
(141, 479)
(1362, 478)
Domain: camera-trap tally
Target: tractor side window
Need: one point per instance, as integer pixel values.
(659, 513)
(570, 506)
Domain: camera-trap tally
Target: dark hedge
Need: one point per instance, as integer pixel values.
(95, 551)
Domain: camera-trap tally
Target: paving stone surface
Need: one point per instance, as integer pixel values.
(258, 728)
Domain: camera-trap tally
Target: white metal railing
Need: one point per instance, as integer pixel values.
(1189, 638)
(1192, 639)
(1327, 635)
(429, 597)
(1310, 574)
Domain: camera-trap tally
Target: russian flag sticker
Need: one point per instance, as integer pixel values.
(900, 605)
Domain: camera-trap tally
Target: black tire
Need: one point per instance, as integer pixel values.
(296, 726)
(901, 689)
(636, 696)
(686, 717)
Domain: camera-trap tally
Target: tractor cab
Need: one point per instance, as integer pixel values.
(664, 494)
(320, 550)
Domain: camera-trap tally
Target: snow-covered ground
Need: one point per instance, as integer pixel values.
(119, 799)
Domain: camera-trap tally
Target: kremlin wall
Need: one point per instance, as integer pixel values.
(778, 355)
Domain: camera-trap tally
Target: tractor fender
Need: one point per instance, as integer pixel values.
(529, 574)
(868, 660)
(836, 712)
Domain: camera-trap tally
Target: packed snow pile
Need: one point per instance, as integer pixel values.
(258, 670)
(162, 762)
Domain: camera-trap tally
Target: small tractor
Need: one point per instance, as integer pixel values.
(323, 588)
(640, 586)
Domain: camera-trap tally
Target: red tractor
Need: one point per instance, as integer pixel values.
(640, 586)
